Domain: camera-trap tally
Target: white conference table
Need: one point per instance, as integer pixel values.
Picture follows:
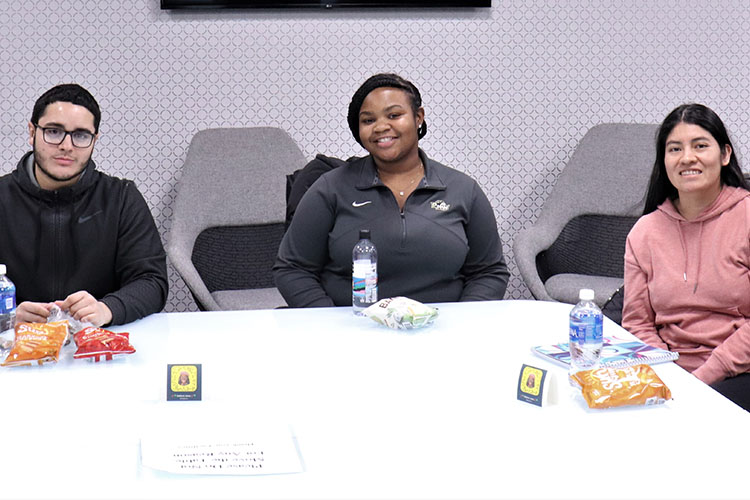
(376, 413)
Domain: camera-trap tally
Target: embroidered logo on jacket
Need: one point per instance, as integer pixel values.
(85, 218)
(440, 206)
(361, 204)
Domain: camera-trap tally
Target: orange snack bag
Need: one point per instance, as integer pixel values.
(96, 342)
(37, 343)
(606, 387)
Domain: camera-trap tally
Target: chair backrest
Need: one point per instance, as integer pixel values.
(597, 198)
(588, 244)
(607, 174)
(229, 210)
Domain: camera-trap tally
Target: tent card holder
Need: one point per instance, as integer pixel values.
(535, 386)
(184, 382)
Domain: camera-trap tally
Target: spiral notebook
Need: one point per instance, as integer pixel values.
(616, 352)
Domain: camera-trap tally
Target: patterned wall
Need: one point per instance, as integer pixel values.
(508, 91)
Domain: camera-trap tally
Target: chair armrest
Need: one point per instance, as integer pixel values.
(527, 245)
(179, 255)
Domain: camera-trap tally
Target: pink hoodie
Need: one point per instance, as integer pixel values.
(687, 285)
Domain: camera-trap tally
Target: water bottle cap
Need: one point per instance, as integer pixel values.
(3, 269)
(364, 234)
(586, 294)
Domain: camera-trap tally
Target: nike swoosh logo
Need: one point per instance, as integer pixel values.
(357, 205)
(84, 218)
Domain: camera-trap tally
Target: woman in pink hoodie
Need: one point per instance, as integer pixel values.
(687, 260)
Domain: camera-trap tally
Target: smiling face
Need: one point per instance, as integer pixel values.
(693, 161)
(58, 166)
(388, 125)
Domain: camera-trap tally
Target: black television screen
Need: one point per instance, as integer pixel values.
(325, 4)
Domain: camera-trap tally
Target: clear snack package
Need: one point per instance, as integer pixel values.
(96, 343)
(37, 343)
(401, 313)
(607, 387)
(74, 326)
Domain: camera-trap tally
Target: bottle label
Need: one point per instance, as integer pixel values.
(358, 287)
(7, 302)
(371, 287)
(365, 282)
(586, 330)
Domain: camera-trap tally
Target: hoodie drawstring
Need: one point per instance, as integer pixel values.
(685, 253)
(700, 245)
(684, 250)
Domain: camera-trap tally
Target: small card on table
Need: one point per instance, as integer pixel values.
(184, 382)
(532, 384)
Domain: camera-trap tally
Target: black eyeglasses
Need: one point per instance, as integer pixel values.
(56, 135)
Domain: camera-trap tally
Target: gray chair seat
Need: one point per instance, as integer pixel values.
(564, 287)
(260, 298)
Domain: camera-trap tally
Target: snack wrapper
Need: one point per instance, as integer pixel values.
(74, 326)
(401, 313)
(96, 343)
(607, 387)
(37, 343)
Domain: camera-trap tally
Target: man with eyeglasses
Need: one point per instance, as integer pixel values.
(72, 235)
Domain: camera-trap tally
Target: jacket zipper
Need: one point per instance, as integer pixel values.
(403, 230)
(56, 249)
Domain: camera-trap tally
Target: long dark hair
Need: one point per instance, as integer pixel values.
(659, 187)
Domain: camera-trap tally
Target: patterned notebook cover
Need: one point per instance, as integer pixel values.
(616, 352)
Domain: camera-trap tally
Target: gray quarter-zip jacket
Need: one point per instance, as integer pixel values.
(443, 247)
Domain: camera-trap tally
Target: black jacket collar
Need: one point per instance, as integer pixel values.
(85, 182)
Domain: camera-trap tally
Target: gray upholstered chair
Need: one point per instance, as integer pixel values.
(229, 215)
(578, 241)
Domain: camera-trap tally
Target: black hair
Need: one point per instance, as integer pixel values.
(377, 81)
(659, 187)
(67, 92)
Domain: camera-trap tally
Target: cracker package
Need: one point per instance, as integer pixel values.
(606, 387)
(401, 313)
(96, 343)
(37, 343)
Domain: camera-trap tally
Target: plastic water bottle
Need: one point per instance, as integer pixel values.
(7, 301)
(364, 273)
(586, 337)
